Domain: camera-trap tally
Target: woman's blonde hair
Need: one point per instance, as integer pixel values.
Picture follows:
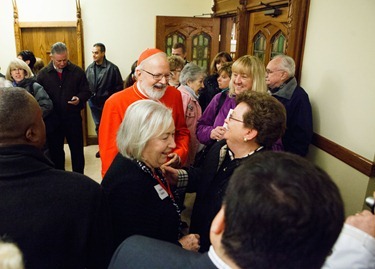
(18, 63)
(253, 67)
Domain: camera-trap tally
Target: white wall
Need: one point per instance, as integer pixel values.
(338, 73)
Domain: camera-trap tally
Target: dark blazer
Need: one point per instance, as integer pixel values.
(135, 205)
(142, 252)
(73, 83)
(58, 219)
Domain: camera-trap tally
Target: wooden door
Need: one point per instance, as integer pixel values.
(40, 36)
(267, 35)
(200, 36)
(264, 28)
(40, 39)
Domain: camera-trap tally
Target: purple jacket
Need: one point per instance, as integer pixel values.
(208, 121)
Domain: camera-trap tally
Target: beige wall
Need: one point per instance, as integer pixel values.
(338, 73)
(338, 70)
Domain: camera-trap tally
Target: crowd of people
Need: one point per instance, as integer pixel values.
(236, 137)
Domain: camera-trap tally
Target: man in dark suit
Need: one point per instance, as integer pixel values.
(279, 211)
(58, 219)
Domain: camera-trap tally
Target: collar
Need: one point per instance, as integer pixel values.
(216, 260)
(231, 154)
(191, 91)
(102, 65)
(285, 90)
(139, 92)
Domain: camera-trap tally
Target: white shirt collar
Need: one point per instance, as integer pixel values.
(219, 263)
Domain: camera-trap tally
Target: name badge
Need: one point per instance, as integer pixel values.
(161, 192)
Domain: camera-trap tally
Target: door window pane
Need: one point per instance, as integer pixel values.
(260, 46)
(171, 39)
(201, 53)
(278, 44)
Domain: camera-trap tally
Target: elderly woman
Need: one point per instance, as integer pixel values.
(142, 202)
(248, 74)
(254, 125)
(191, 81)
(19, 73)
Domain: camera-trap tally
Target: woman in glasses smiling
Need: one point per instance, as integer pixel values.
(255, 124)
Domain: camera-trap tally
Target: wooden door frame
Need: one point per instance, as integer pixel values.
(188, 26)
(18, 26)
(239, 11)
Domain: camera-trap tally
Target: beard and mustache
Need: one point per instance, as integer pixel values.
(156, 91)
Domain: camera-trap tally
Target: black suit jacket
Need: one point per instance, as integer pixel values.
(58, 219)
(142, 252)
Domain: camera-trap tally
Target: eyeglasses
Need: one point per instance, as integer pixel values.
(271, 72)
(16, 69)
(158, 76)
(232, 118)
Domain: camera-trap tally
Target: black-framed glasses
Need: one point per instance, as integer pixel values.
(232, 118)
(158, 76)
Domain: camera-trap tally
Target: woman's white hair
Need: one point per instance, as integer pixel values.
(144, 119)
(10, 256)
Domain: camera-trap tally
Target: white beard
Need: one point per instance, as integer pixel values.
(155, 94)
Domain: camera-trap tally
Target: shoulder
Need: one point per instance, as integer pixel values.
(143, 252)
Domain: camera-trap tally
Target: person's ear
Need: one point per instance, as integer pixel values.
(27, 62)
(250, 135)
(218, 224)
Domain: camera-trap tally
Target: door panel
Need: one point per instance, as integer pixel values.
(200, 36)
(40, 40)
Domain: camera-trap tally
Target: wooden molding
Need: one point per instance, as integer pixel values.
(47, 24)
(351, 158)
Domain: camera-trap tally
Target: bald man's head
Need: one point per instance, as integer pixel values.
(21, 118)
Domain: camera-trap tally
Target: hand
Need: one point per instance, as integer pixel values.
(174, 161)
(218, 133)
(190, 242)
(364, 221)
(74, 101)
(170, 174)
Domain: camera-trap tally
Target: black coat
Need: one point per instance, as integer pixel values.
(58, 219)
(135, 205)
(73, 83)
(209, 182)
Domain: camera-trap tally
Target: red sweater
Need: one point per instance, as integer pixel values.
(114, 112)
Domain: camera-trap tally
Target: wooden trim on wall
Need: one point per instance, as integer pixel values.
(351, 158)
(47, 24)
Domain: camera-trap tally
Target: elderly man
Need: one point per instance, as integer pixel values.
(283, 86)
(274, 215)
(152, 74)
(58, 219)
(104, 79)
(67, 86)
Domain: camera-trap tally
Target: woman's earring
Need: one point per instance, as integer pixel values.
(245, 139)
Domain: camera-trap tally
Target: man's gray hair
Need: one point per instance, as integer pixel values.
(287, 64)
(144, 120)
(58, 48)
